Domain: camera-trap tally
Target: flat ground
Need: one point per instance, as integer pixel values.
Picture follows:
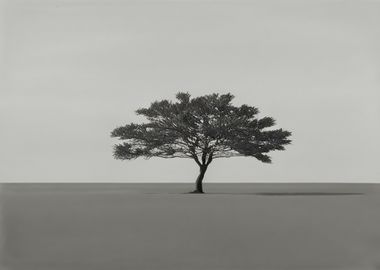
(158, 226)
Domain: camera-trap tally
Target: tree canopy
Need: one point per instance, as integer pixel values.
(200, 128)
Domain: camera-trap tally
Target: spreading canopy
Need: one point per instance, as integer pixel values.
(200, 128)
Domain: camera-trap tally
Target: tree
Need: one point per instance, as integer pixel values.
(202, 128)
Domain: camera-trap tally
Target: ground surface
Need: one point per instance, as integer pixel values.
(157, 226)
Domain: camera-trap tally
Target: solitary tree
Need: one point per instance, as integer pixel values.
(203, 129)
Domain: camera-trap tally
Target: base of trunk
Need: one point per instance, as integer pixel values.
(196, 192)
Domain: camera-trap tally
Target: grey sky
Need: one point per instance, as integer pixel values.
(71, 71)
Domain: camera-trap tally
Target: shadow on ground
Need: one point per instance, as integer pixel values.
(281, 193)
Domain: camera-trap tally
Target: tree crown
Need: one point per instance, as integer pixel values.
(201, 128)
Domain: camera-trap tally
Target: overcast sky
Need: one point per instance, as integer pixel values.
(71, 71)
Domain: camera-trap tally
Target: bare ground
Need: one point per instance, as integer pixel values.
(159, 226)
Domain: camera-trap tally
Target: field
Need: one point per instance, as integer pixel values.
(159, 226)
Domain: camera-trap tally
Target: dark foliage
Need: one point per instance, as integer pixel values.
(201, 128)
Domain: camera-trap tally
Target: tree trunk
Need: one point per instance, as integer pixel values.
(198, 183)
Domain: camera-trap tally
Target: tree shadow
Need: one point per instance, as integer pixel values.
(309, 193)
(286, 193)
